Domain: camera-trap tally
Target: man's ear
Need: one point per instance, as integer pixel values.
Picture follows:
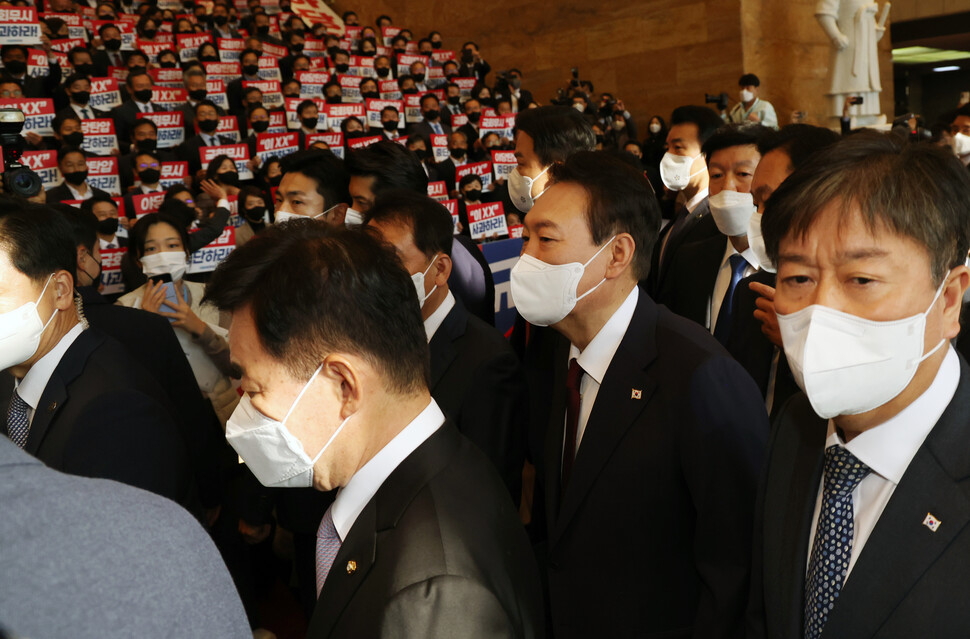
(956, 284)
(442, 269)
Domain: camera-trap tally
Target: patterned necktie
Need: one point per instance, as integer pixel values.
(722, 330)
(437, 128)
(328, 543)
(833, 537)
(573, 399)
(85, 114)
(18, 425)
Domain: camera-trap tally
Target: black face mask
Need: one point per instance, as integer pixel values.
(432, 114)
(486, 102)
(208, 126)
(451, 74)
(209, 58)
(149, 33)
(167, 64)
(422, 154)
(458, 153)
(251, 69)
(383, 72)
(342, 67)
(112, 45)
(150, 176)
(390, 125)
(600, 139)
(400, 50)
(81, 97)
(136, 69)
(84, 69)
(410, 91)
(260, 126)
(108, 226)
(229, 178)
(370, 95)
(353, 135)
(333, 51)
(275, 181)
(467, 57)
(263, 31)
(197, 95)
(146, 146)
(310, 123)
(473, 195)
(435, 45)
(221, 20)
(16, 67)
(255, 214)
(474, 117)
(334, 99)
(454, 100)
(74, 139)
(368, 53)
(144, 95)
(297, 48)
(75, 177)
(418, 77)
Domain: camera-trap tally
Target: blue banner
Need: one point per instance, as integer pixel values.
(501, 257)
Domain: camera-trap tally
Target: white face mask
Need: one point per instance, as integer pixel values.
(732, 212)
(579, 106)
(961, 144)
(272, 453)
(546, 293)
(20, 332)
(675, 170)
(849, 365)
(757, 243)
(520, 189)
(418, 279)
(746, 96)
(655, 128)
(173, 263)
(353, 218)
(283, 216)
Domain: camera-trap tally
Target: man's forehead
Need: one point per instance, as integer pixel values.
(560, 205)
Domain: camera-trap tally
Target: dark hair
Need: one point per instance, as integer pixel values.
(136, 74)
(918, 191)
(62, 117)
(144, 122)
(431, 226)
(303, 105)
(74, 51)
(38, 240)
(428, 96)
(392, 166)
(706, 120)
(248, 51)
(556, 131)
(168, 213)
(152, 154)
(799, 141)
(212, 168)
(326, 169)
(749, 79)
(390, 109)
(175, 189)
(64, 151)
(202, 103)
(620, 200)
(964, 111)
(314, 289)
(84, 223)
(10, 47)
(468, 179)
(729, 136)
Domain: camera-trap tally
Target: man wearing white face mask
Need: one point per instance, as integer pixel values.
(314, 185)
(704, 274)
(960, 130)
(475, 375)
(683, 172)
(750, 107)
(421, 539)
(80, 404)
(868, 473)
(638, 417)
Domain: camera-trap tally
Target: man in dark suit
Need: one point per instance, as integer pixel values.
(14, 58)
(690, 128)
(475, 376)
(432, 123)
(111, 55)
(125, 115)
(78, 89)
(754, 339)
(194, 81)
(422, 539)
(74, 167)
(863, 514)
(207, 120)
(81, 404)
(704, 275)
(647, 437)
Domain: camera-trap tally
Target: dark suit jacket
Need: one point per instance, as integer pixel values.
(689, 282)
(439, 552)
(189, 152)
(102, 415)
(95, 113)
(125, 116)
(471, 279)
(126, 167)
(60, 193)
(654, 527)
(446, 171)
(44, 86)
(689, 231)
(101, 62)
(424, 129)
(908, 581)
(477, 382)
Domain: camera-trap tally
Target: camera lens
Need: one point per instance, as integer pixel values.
(22, 182)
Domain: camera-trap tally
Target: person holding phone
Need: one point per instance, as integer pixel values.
(159, 247)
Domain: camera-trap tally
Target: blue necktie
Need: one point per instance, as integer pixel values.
(328, 544)
(832, 549)
(722, 330)
(18, 425)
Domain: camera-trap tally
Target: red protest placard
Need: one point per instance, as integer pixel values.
(360, 143)
(437, 190)
(275, 145)
(481, 169)
(171, 127)
(103, 174)
(147, 203)
(239, 153)
(174, 173)
(487, 220)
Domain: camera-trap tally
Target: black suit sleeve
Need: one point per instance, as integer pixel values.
(446, 606)
(722, 453)
(210, 230)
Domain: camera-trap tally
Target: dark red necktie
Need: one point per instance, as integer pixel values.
(573, 380)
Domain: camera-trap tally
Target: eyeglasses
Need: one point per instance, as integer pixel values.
(152, 165)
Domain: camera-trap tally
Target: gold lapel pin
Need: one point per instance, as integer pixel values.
(636, 393)
(52, 407)
(351, 567)
(932, 522)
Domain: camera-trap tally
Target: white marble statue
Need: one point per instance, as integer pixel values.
(854, 30)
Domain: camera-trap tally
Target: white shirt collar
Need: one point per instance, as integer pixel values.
(596, 358)
(32, 386)
(352, 498)
(158, 189)
(697, 199)
(77, 194)
(433, 323)
(106, 244)
(889, 447)
(141, 105)
(748, 255)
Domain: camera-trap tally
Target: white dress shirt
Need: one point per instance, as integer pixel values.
(723, 281)
(888, 449)
(434, 320)
(104, 244)
(88, 193)
(352, 498)
(145, 189)
(595, 359)
(32, 386)
(80, 111)
(144, 107)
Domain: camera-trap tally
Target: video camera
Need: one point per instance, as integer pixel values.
(18, 179)
(720, 100)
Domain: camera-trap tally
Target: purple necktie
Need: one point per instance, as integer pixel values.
(328, 544)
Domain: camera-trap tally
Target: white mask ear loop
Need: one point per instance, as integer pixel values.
(692, 164)
(425, 274)
(532, 183)
(51, 319)
(588, 263)
(325, 212)
(943, 341)
(300, 396)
